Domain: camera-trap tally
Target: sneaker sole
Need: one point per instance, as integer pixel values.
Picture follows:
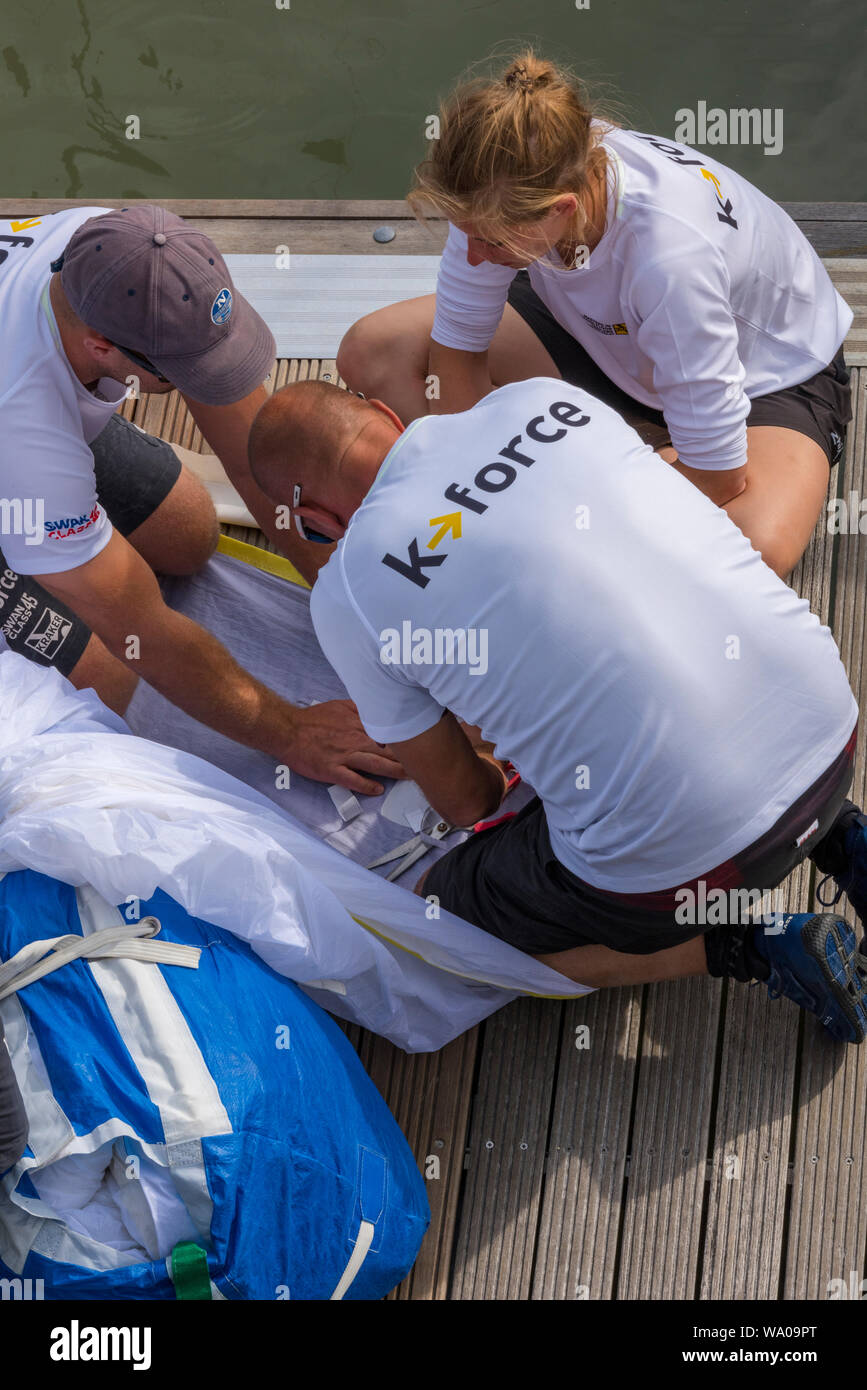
(831, 943)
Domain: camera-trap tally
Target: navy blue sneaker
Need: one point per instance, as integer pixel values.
(813, 960)
(846, 862)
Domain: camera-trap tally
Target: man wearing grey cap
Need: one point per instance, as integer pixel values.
(93, 301)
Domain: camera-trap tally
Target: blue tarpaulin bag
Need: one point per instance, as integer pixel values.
(198, 1127)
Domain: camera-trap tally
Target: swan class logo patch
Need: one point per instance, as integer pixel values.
(222, 306)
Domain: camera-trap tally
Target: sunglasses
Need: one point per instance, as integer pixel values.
(302, 529)
(139, 361)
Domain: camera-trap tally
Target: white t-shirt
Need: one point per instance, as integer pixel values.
(701, 295)
(665, 693)
(53, 521)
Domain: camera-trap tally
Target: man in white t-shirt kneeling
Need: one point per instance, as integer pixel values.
(94, 302)
(531, 568)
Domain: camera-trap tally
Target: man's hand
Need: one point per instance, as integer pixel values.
(720, 485)
(331, 746)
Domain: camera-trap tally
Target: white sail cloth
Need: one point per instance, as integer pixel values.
(83, 800)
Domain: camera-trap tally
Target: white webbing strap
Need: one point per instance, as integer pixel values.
(39, 958)
(363, 1242)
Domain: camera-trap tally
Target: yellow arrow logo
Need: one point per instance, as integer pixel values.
(712, 178)
(29, 222)
(452, 522)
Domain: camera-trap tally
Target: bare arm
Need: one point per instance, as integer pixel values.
(462, 783)
(721, 486)
(464, 377)
(117, 594)
(227, 429)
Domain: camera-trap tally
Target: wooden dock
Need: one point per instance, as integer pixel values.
(708, 1143)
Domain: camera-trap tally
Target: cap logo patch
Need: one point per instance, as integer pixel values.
(222, 306)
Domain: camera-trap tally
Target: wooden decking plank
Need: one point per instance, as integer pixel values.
(325, 236)
(828, 1224)
(746, 1207)
(580, 1210)
(850, 279)
(846, 238)
(506, 1156)
(340, 207)
(328, 226)
(669, 1140)
(743, 1252)
(263, 208)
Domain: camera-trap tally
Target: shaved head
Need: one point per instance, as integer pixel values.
(302, 434)
(325, 439)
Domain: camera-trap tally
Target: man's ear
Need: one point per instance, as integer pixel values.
(98, 348)
(318, 519)
(387, 410)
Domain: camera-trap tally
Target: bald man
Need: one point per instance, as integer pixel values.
(531, 568)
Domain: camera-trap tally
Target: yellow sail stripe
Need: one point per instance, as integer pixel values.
(261, 559)
(477, 979)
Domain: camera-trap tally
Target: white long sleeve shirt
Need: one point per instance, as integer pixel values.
(701, 295)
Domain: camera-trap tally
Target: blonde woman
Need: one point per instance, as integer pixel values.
(636, 268)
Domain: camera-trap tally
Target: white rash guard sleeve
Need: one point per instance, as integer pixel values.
(470, 299)
(687, 329)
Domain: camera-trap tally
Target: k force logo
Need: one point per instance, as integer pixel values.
(677, 156)
(491, 478)
(14, 241)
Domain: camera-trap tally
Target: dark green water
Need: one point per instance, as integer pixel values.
(328, 99)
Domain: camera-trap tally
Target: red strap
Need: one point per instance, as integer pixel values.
(509, 815)
(497, 820)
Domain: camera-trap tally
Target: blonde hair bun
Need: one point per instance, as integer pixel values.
(510, 144)
(527, 74)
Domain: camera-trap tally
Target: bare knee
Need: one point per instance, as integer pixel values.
(385, 355)
(366, 357)
(779, 554)
(778, 547)
(201, 536)
(182, 534)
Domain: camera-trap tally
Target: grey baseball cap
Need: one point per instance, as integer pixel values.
(149, 282)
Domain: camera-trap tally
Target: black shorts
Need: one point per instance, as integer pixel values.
(820, 407)
(134, 473)
(508, 881)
